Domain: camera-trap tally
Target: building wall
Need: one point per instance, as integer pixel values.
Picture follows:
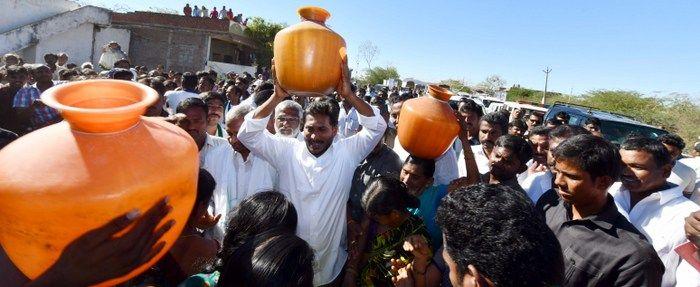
(77, 43)
(17, 13)
(178, 50)
(104, 35)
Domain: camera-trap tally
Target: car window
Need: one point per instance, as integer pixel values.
(617, 132)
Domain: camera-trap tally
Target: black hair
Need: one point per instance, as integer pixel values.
(256, 214)
(468, 105)
(651, 146)
(479, 220)
(262, 96)
(427, 166)
(540, 131)
(158, 86)
(208, 96)
(567, 131)
(519, 146)
(272, 258)
(192, 102)
(324, 107)
(15, 70)
(696, 147)
(264, 86)
(189, 81)
(554, 122)
(201, 74)
(205, 186)
(497, 120)
(563, 115)
(209, 80)
(595, 155)
(400, 98)
(118, 73)
(592, 121)
(673, 140)
(518, 123)
(386, 194)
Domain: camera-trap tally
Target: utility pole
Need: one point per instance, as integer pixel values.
(546, 80)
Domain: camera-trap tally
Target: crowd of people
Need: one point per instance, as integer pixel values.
(298, 191)
(222, 14)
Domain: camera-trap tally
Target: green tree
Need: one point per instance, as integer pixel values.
(457, 85)
(377, 75)
(263, 34)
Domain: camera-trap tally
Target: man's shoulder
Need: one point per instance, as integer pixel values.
(548, 200)
(683, 170)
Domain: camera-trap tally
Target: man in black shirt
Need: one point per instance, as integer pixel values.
(600, 247)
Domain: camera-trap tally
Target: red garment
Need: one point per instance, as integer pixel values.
(214, 14)
(187, 11)
(229, 15)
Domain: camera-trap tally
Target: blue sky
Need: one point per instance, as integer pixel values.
(648, 46)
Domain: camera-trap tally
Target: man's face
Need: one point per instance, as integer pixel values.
(287, 123)
(575, 185)
(540, 148)
(533, 120)
(488, 134)
(232, 95)
(113, 46)
(516, 131)
(395, 112)
(43, 74)
(204, 85)
(504, 163)
(195, 123)
(675, 152)
(51, 60)
(216, 110)
(471, 120)
(412, 176)
(232, 129)
(553, 144)
(11, 60)
(17, 80)
(593, 128)
(318, 133)
(240, 84)
(640, 172)
(62, 60)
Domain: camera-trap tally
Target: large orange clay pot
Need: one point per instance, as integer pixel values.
(307, 59)
(102, 161)
(427, 125)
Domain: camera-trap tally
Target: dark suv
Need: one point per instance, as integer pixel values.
(615, 127)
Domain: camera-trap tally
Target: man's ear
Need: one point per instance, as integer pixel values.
(667, 168)
(603, 182)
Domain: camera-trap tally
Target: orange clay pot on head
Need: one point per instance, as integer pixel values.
(104, 160)
(427, 125)
(307, 57)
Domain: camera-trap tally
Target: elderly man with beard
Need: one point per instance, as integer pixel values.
(252, 173)
(316, 174)
(288, 116)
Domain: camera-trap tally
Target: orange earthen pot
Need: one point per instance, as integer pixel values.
(307, 58)
(104, 160)
(427, 125)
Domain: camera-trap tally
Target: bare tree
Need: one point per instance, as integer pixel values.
(492, 84)
(368, 51)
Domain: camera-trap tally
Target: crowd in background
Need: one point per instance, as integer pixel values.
(298, 191)
(222, 14)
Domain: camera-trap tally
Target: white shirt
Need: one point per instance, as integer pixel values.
(216, 157)
(683, 176)
(445, 165)
(348, 124)
(660, 217)
(252, 176)
(319, 187)
(536, 184)
(173, 98)
(482, 161)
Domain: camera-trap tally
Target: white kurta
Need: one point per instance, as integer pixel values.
(482, 161)
(683, 176)
(216, 157)
(660, 217)
(445, 165)
(318, 187)
(252, 176)
(536, 184)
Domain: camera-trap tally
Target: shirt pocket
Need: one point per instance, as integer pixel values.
(580, 271)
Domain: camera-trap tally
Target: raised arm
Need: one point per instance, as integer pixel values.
(344, 89)
(472, 169)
